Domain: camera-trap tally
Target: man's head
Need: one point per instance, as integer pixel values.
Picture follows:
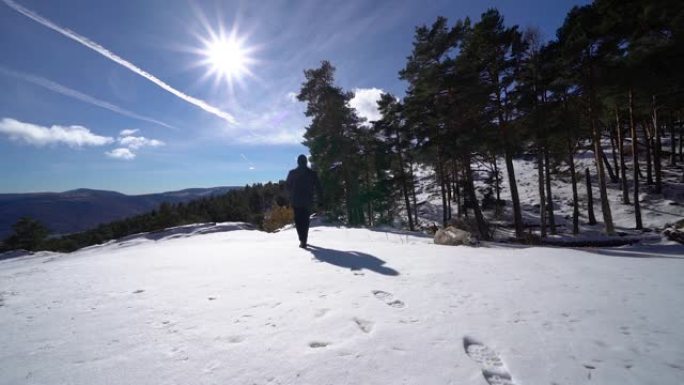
(301, 160)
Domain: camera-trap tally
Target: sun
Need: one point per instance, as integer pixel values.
(226, 57)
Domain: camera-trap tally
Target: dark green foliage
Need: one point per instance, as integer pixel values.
(336, 139)
(396, 155)
(29, 234)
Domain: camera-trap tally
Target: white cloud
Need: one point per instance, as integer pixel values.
(136, 142)
(119, 60)
(279, 124)
(292, 96)
(121, 153)
(128, 132)
(365, 102)
(33, 134)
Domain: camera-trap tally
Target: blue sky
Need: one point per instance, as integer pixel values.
(77, 110)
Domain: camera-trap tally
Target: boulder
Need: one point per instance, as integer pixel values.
(674, 234)
(452, 236)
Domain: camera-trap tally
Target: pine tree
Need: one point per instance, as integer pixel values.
(494, 50)
(331, 140)
(445, 106)
(398, 139)
(425, 103)
(581, 45)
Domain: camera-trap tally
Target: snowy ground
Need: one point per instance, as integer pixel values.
(366, 307)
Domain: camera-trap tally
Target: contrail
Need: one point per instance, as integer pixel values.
(251, 165)
(119, 60)
(66, 91)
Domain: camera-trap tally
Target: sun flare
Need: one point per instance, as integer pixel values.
(226, 57)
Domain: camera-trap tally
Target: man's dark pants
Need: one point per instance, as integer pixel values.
(301, 217)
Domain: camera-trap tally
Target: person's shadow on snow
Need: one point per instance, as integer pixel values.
(352, 260)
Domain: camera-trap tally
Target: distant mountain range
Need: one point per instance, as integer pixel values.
(82, 209)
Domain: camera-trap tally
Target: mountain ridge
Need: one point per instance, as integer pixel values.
(81, 209)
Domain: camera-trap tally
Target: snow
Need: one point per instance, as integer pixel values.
(240, 306)
(657, 210)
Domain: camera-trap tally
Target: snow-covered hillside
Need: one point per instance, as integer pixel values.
(657, 210)
(228, 305)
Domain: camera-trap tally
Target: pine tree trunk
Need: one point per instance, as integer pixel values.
(681, 134)
(549, 197)
(413, 194)
(649, 164)
(611, 174)
(497, 187)
(542, 196)
(470, 187)
(497, 182)
(513, 186)
(590, 199)
(404, 190)
(409, 215)
(635, 161)
(573, 175)
(355, 207)
(466, 198)
(614, 151)
(447, 182)
(456, 188)
(605, 205)
(575, 197)
(656, 149)
(621, 149)
(459, 208)
(673, 142)
(347, 196)
(369, 204)
(440, 177)
(508, 157)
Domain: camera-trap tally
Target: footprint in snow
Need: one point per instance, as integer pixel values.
(235, 339)
(211, 367)
(493, 369)
(318, 344)
(388, 298)
(364, 325)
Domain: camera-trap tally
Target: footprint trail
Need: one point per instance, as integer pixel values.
(493, 369)
(388, 298)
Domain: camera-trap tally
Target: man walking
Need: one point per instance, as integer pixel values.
(301, 183)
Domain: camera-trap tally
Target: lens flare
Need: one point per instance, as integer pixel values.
(226, 57)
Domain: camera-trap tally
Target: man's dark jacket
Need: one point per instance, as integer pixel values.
(301, 183)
